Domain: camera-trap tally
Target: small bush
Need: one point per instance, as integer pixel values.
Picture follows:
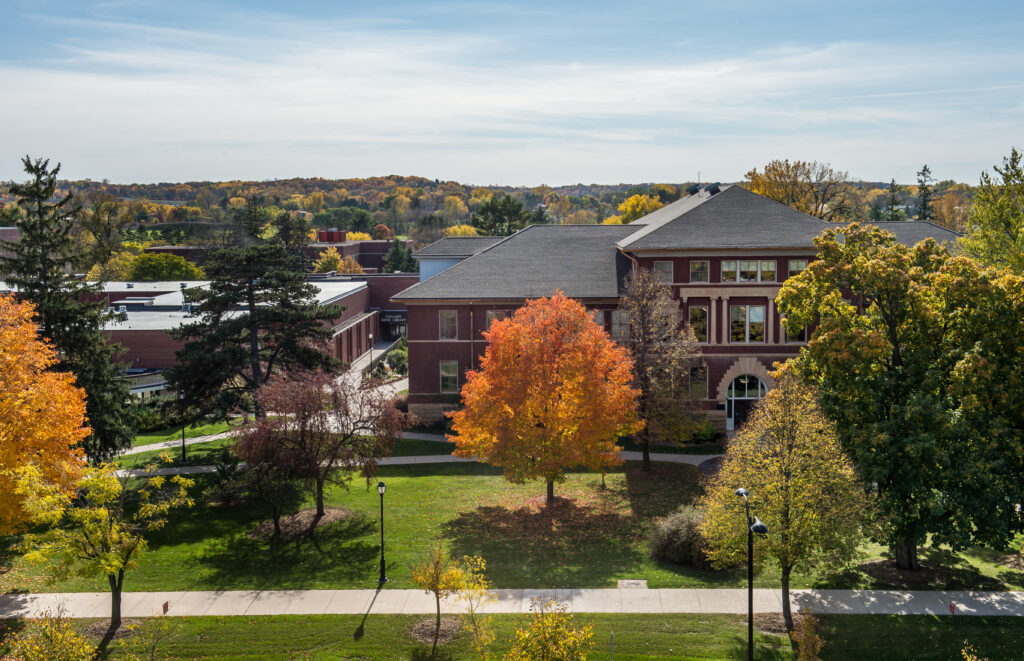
(677, 538)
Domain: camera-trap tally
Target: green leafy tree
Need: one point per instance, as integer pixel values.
(801, 483)
(68, 311)
(399, 259)
(155, 267)
(101, 530)
(257, 316)
(550, 636)
(663, 357)
(919, 360)
(924, 193)
(105, 220)
(996, 221)
(500, 215)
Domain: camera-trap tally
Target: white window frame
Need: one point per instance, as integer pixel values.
(660, 275)
(735, 269)
(707, 269)
(440, 324)
(441, 376)
(760, 270)
(790, 270)
(746, 324)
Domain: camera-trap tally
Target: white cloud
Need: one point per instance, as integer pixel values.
(153, 103)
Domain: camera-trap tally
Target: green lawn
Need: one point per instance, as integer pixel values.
(174, 433)
(596, 539)
(386, 637)
(200, 454)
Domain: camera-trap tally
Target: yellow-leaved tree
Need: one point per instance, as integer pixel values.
(330, 260)
(440, 575)
(461, 230)
(638, 206)
(42, 413)
(552, 393)
(800, 483)
(551, 636)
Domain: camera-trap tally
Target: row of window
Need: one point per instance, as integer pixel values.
(746, 323)
(449, 369)
(733, 270)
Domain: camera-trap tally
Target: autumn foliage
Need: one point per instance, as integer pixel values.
(553, 392)
(42, 413)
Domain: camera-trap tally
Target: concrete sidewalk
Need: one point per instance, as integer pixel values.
(614, 600)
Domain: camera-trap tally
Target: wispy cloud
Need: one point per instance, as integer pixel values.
(135, 101)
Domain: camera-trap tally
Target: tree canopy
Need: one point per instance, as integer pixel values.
(996, 221)
(553, 392)
(500, 215)
(919, 359)
(42, 413)
(809, 186)
(156, 267)
(69, 311)
(800, 483)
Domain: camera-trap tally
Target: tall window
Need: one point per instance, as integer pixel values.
(767, 270)
(728, 270)
(449, 324)
(799, 336)
(796, 265)
(620, 325)
(496, 315)
(699, 382)
(699, 322)
(449, 376)
(746, 323)
(699, 271)
(748, 270)
(663, 272)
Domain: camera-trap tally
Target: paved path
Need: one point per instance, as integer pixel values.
(692, 459)
(621, 600)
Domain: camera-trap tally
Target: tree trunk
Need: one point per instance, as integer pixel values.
(437, 626)
(116, 582)
(787, 613)
(551, 493)
(320, 511)
(645, 446)
(906, 553)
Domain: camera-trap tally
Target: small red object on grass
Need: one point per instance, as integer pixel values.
(952, 608)
(167, 606)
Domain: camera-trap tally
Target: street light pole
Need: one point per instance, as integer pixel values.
(371, 351)
(383, 577)
(181, 410)
(753, 525)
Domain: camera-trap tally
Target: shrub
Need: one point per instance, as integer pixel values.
(677, 538)
(51, 638)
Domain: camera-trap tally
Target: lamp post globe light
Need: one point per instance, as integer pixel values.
(383, 577)
(370, 336)
(754, 525)
(181, 410)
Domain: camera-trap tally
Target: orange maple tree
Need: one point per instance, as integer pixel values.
(553, 392)
(42, 413)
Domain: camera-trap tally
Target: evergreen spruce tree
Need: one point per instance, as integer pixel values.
(924, 193)
(68, 312)
(892, 202)
(500, 216)
(258, 316)
(399, 259)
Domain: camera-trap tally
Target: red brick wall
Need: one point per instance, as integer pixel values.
(384, 286)
(150, 349)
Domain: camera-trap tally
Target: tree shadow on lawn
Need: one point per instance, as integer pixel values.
(573, 544)
(240, 562)
(941, 569)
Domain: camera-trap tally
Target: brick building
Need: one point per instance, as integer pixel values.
(724, 251)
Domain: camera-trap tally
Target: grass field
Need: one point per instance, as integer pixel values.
(174, 433)
(593, 540)
(388, 637)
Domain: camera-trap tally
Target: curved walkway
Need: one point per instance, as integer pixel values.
(612, 600)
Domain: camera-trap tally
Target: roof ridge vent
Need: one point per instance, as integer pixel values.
(713, 189)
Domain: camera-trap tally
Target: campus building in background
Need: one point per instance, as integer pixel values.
(723, 251)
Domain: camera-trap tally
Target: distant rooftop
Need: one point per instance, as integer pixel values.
(457, 246)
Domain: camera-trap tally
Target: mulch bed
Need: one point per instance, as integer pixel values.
(774, 623)
(1013, 561)
(98, 628)
(710, 467)
(423, 631)
(298, 524)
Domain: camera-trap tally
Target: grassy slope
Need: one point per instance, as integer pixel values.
(174, 433)
(598, 539)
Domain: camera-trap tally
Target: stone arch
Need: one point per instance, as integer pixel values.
(744, 365)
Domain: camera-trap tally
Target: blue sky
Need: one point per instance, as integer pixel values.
(516, 93)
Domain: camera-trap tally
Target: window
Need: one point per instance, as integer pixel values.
(496, 315)
(699, 271)
(449, 376)
(729, 270)
(748, 270)
(663, 272)
(699, 322)
(799, 336)
(746, 323)
(767, 270)
(449, 324)
(620, 325)
(598, 317)
(796, 265)
(699, 382)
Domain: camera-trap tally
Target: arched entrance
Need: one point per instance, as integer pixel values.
(744, 391)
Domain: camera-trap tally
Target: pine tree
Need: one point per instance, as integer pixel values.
(69, 314)
(258, 316)
(399, 259)
(924, 193)
(892, 212)
(500, 216)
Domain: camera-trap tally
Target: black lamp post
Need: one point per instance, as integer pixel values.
(181, 410)
(753, 525)
(383, 578)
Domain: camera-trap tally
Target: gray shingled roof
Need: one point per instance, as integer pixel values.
(579, 260)
(734, 218)
(457, 246)
(909, 232)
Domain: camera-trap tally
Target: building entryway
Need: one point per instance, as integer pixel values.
(744, 392)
